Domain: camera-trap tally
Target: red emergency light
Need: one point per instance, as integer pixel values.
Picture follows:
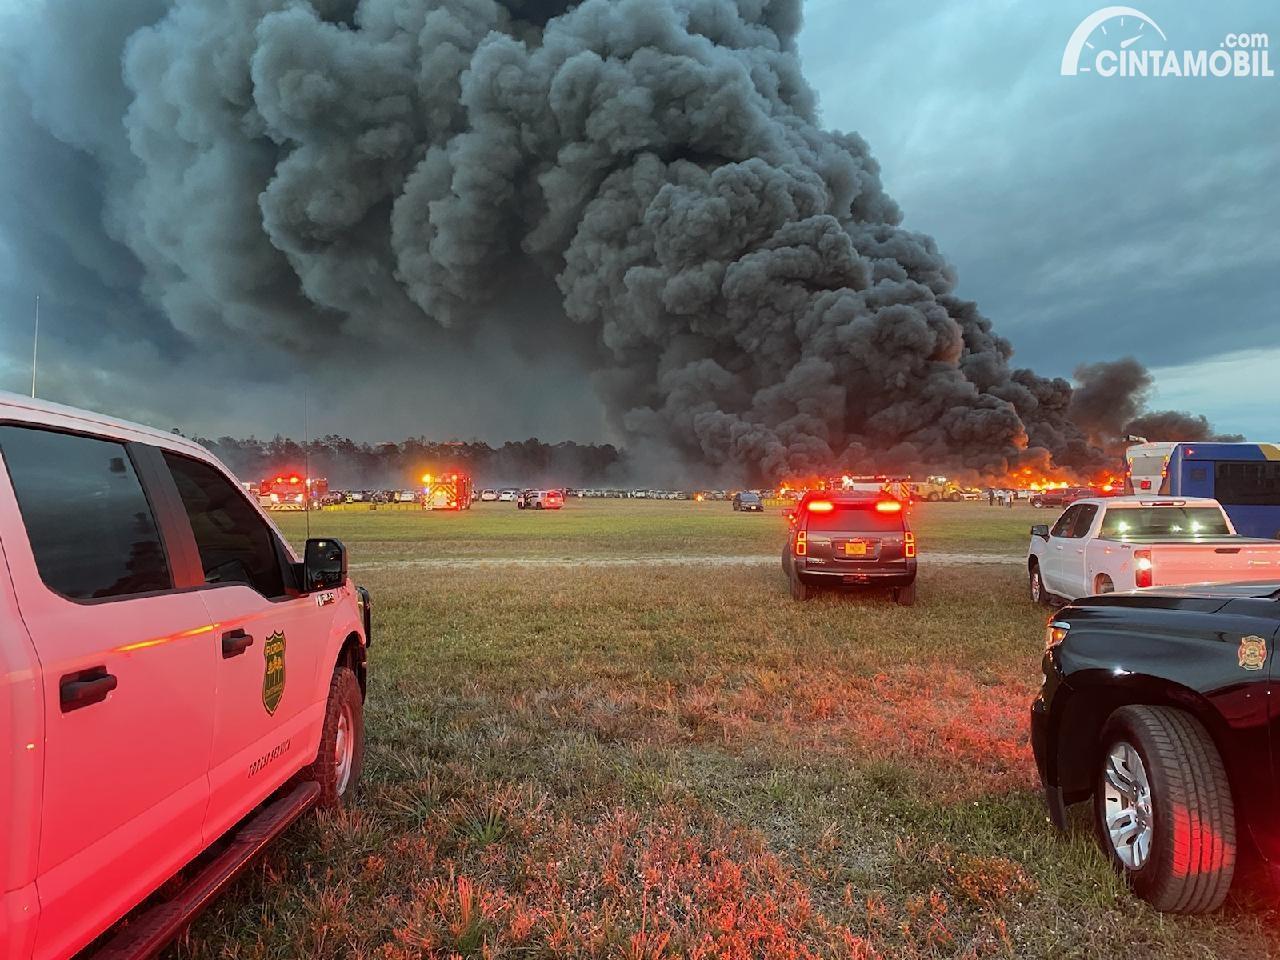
(821, 506)
(888, 506)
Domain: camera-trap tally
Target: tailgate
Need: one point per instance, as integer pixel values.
(1219, 562)
(852, 549)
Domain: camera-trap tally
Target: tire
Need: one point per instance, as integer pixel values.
(1187, 816)
(800, 590)
(1105, 586)
(1037, 502)
(933, 497)
(953, 497)
(1035, 584)
(337, 788)
(905, 596)
(538, 505)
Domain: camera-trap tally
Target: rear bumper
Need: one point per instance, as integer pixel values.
(898, 573)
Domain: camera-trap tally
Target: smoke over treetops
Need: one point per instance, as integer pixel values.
(734, 278)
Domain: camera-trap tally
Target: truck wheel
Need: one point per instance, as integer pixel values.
(1163, 810)
(953, 497)
(933, 497)
(1038, 593)
(799, 589)
(338, 765)
(905, 596)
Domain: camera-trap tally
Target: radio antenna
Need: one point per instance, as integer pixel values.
(35, 346)
(306, 461)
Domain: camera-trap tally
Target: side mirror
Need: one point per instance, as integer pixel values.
(1040, 530)
(324, 565)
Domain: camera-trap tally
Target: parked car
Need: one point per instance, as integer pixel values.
(181, 678)
(1062, 497)
(748, 502)
(540, 500)
(508, 496)
(488, 496)
(1124, 543)
(850, 540)
(1158, 708)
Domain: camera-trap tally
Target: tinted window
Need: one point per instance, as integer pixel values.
(748, 498)
(235, 545)
(1163, 522)
(1063, 527)
(90, 526)
(1247, 483)
(1084, 519)
(854, 519)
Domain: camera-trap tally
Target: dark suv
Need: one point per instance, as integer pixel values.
(850, 541)
(748, 501)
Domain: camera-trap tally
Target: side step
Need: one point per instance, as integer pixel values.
(151, 930)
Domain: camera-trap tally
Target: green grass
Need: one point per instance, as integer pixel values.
(654, 760)
(630, 528)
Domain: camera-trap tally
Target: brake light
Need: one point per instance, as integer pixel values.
(1145, 485)
(889, 506)
(821, 506)
(802, 543)
(908, 544)
(1143, 568)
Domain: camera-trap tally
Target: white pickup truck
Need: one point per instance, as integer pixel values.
(1124, 543)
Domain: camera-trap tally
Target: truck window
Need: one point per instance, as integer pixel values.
(91, 528)
(1124, 522)
(235, 545)
(1065, 522)
(1247, 483)
(1083, 521)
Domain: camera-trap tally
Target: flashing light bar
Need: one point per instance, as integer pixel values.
(888, 506)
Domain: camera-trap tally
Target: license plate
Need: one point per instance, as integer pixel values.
(855, 549)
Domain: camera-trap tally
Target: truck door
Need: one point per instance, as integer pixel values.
(127, 682)
(1054, 552)
(272, 667)
(1074, 574)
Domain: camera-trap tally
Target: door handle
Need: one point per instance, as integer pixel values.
(85, 688)
(234, 643)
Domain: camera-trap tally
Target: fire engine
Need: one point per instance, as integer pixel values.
(292, 492)
(450, 491)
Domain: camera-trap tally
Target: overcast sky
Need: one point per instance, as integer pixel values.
(1089, 218)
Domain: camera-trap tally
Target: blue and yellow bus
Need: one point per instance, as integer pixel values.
(1243, 477)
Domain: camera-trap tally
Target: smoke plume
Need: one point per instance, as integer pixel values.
(733, 280)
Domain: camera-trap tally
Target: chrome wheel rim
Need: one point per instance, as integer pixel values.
(1126, 794)
(344, 748)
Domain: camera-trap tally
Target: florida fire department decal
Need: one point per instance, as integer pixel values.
(273, 677)
(1253, 653)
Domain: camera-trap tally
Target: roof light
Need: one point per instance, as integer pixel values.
(821, 506)
(888, 506)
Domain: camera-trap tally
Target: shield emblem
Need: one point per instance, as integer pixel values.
(1253, 653)
(273, 675)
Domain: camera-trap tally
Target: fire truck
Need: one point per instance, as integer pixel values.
(449, 491)
(292, 492)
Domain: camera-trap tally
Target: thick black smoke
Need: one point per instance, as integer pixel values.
(734, 279)
(1109, 404)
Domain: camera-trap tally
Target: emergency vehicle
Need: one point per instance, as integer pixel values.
(174, 680)
(292, 492)
(449, 491)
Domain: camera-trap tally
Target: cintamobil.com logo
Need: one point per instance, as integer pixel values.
(1124, 42)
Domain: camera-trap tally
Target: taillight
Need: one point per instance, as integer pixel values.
(1143, 568)
(908, 544)
(802, 543)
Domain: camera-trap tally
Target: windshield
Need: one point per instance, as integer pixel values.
(748, 498)
(1119, 524)
(854, 519)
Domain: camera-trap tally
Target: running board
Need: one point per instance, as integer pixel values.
(145, 935)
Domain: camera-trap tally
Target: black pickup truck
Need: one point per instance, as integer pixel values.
(1160, 706)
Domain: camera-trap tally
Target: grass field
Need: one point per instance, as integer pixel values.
(578, 750)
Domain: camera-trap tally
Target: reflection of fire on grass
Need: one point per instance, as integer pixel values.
(966, 737)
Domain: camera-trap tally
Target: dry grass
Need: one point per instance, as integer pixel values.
(668, 762)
